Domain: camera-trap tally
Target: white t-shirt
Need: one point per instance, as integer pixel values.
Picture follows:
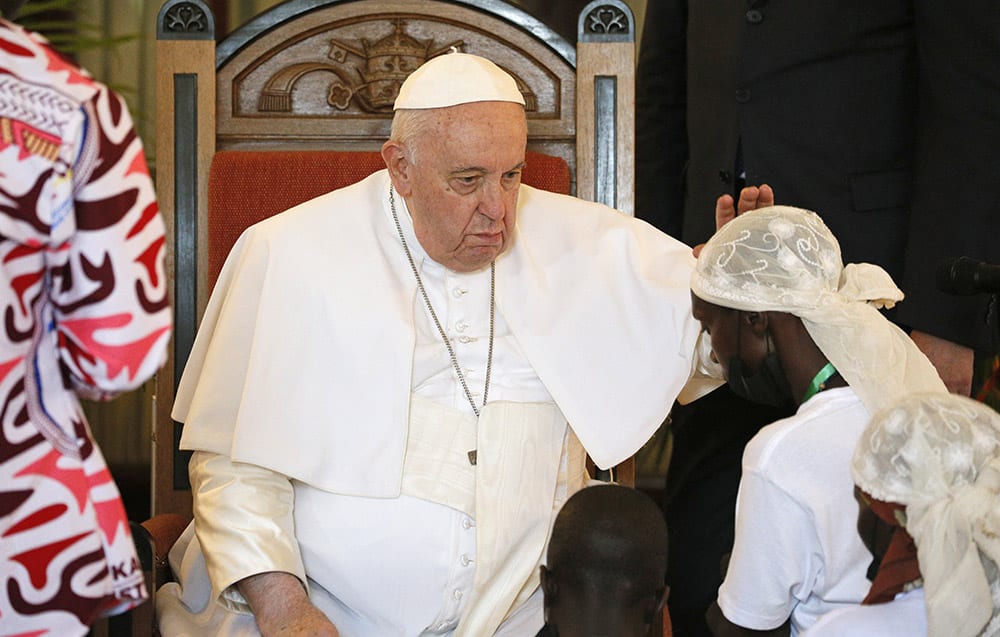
(905, 616)
(797, 551)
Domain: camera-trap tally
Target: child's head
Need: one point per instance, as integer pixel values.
(606, 565)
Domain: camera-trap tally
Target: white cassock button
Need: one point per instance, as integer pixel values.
(464, 560)
(461, 326)
(457, 594)
(459, 292)
(466, 339)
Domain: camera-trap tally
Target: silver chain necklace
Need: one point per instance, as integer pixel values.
(437, 323)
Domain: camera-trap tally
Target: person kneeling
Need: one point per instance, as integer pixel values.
(789, 322)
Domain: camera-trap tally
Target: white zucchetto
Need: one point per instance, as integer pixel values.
(456, 78)
(785, 259)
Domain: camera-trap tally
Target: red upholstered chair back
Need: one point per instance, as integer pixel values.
(245, 187)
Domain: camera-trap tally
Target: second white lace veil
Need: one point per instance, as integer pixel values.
(939, 455)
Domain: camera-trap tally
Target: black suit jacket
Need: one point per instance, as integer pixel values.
(881, 115)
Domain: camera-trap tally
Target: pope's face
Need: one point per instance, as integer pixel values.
(460, 180)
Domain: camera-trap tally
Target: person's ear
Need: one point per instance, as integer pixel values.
(550, 588)
(549, 585)
(397, 160)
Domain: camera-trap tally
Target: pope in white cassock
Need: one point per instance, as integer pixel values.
(395, 385)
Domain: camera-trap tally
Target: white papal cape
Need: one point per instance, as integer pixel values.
(302, 363)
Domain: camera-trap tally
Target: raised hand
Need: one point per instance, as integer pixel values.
(751, 198)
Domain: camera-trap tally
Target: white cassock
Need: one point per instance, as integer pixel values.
(318, 378)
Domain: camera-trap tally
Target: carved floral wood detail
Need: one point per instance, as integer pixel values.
(360, 70)
(606, 19)
(185, 17)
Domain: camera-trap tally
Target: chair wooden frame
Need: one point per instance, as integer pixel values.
(306, 75)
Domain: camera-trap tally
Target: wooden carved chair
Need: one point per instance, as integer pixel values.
(262, 120)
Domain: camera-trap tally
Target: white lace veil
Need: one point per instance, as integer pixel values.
(784, 259)
(939, 455)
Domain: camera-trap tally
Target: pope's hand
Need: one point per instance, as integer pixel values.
(281, 607)
(751, 198)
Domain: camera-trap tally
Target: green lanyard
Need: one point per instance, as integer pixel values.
(817, 384)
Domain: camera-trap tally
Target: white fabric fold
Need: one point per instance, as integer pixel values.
(598, 301)
(957, 592)
(520, 453)
(250, 530)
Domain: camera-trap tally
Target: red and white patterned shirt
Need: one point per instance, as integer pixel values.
(84, 311)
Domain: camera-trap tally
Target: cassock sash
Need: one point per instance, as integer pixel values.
(528, 462)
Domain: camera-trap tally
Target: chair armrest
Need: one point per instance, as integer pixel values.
(161, 531)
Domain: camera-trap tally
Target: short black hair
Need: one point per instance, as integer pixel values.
(611, 537)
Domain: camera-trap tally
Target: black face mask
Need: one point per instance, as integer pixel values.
(768, 386)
